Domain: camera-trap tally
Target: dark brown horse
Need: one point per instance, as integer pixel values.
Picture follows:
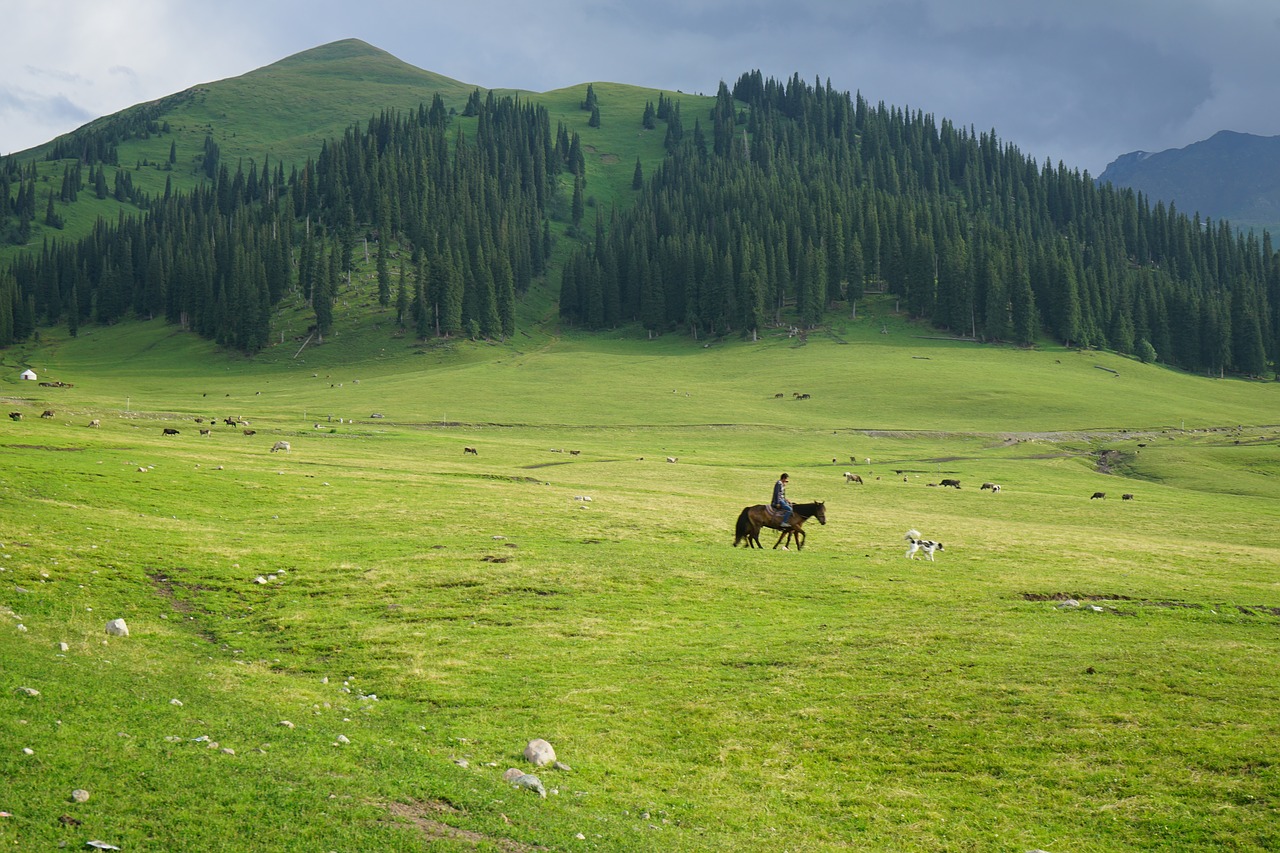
(755, 517)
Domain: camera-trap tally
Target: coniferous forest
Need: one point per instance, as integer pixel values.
(795, 201)
(801, 197)
(217, 260)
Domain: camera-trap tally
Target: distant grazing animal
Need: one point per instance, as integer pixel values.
(17, 416)
(917, 544)
(673, 459)
(250, 432)
(47, 413)
(170, 431)
(470, 450)
(199, 420)
(1126, 497)
(776, 396)
(95, 423)
(280, 445)
(1098, 496)
(205, 432)
(850, 477)
(574, 452)
(952, 483)
(802, 396)
(986, 486)
(752, 518)
(995, 488)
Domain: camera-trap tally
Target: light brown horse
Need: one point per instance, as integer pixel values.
(755, 517)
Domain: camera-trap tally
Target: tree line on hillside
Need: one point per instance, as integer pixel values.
(807, 196)
(470, 215)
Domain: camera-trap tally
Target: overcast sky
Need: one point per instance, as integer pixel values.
(1080, 82)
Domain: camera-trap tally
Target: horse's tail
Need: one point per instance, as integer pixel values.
(743, 529)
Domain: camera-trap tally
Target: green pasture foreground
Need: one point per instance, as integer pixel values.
(702, 697)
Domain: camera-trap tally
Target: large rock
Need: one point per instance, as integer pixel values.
(539, 752)
(117, 628)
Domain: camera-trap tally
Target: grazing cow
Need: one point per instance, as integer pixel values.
(205, 432)
(280, 445)
(48, 413)
(470, 450)
(995, 488)
(986, 486)
(170, 431)
(17, 416)
(850, 477)
(777, 396)
(953, 483)
(672, 459)
(199, 420)
(95, 423)
(574, 452)
(1098, 496)
(1126, 497)
(250, 432)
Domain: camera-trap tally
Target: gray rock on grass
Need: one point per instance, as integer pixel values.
(539, 752)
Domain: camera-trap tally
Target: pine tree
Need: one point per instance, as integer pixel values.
(578, 208)
(384, 271)
(649, 120)
(402, 298)
(322, 293)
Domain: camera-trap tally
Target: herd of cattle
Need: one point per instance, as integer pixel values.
(849, 476)
(96, 423)
(994, 488)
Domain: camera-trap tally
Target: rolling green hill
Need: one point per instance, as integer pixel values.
(283, 113)
(346, 644)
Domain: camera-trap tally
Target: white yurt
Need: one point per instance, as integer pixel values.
(29, 374)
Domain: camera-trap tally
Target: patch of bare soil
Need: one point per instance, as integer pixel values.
(420, 815)
(1246, 609)
(1067, 596)
(164, 587)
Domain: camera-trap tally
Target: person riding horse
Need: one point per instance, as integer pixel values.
(780, 502)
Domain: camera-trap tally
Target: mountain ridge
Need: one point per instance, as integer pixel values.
(1231, 175)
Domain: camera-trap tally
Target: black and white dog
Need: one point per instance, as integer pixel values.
(918, 544)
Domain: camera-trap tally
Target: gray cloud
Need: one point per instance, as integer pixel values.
(1082, 82)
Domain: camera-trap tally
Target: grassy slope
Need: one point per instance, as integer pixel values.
(705, 697)
(285, 111)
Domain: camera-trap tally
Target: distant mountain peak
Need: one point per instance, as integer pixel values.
(351, 48)
(1231, 175)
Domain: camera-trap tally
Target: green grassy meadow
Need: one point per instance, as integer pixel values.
(703, 697)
